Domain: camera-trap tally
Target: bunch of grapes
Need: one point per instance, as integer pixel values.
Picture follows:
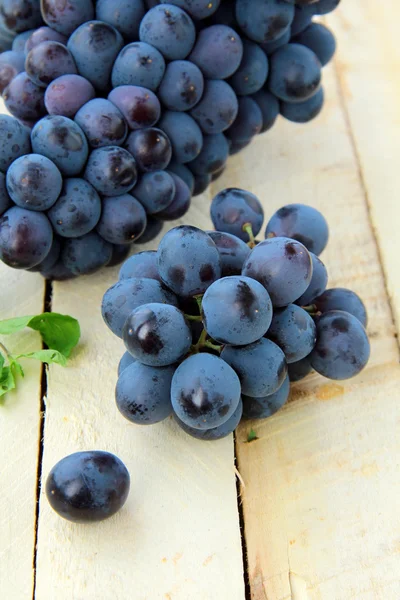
(134, 106)
(216, 328)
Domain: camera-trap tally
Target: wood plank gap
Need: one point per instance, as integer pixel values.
(48, 293)
(246, 574)
(364, 189)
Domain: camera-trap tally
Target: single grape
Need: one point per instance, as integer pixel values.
(102, 123)
(111, 170)
(283, 266)
(271, 47)
(143, 393)
(95, 46)
(218, 51)
(325, 6)
(205, 391)
(86, 254)
(342, 349)
(11, 64)
(67, 94)
(303, 112)
(261, 367)
(218, 107)
(264, 21)
(183, 173)
(25, 238)
(182, 85)
(201, 183)
(77, 210)
(318, 283)
(320, 40)
(48, 61)
(43, 34)
(138, 64)
(88, 486)
(58, 272)
(155, 191)
(198, 9)
(51, 259)
(184, 134)
(232, 208)
(152, 230)
(169, 29)
(62, 141)
(123, 220)
(34, 182)
(300, 369)
(150, 148)
(215, 433)
(252, 72)
(262, 408)
(232, 251)
(302, 223)
(188, 260)
(120, 252)
(269, 107)
(294, 331)
(142, 264)
(180, 204)
(24, 99)
(20, 15)
(124, 15)
(140, 106)
(295, 73)
(157, 335)
(126, 361)
(344, 300)
(213, 155)
(5, 200)
(126, 295)
(248, 123)
(217, 174)
(237, 310)
(19, 41)
(67, 15)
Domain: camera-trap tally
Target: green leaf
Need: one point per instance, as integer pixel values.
(46, 356)
(16, 368)
(7, 381)
(13, 325)
(251, 436)
(59, 332)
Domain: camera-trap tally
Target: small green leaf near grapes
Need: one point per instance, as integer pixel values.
(252, 436)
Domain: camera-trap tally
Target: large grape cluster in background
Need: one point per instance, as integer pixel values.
(124, 109)
(217, 328)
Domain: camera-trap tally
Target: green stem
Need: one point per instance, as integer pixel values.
(199, 300)
(209, 344)
(247, 228)
(6, 352)
(201, 342)
(311, 309)
(193, 317)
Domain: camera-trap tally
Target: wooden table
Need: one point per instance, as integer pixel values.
(318, 515)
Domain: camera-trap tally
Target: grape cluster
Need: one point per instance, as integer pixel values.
(216, 324)
(133, 108)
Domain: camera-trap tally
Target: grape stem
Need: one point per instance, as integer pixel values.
(193, 317)
(215, 347)
(203, 342)
(311, 310)
(6, 352)
(199, 300)
(247, 228)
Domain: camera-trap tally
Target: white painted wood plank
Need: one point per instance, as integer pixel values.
(20, 294)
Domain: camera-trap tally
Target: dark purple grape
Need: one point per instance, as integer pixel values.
(87, 487)
(295, 73)
(236, 147)
(180, 204)
(262, 408)
(182, 85)
(217, 174)
(318, 283)
(11, 64)
(124, 15)
(198, 9)
(63, 142)
(283, 266)
(325, 6)
(111, 170)
(5, 200)
(269, 106)
(44, 34)
(201, 183)
(188, 260)
(77, 210)
(95, 46)
(20, 15)
(303, 16)
(264, 21)
(248, 123)
(23, 99)
(184, 134)
(213, 155)
(47, 62)
(67, 94)
(155, 191)
(252, 72)
(86, 254)
(303, 112)
(293, 330)
(138, 64)
(342, 299)
(67, 15)
(218, 107)
(19, 41)
(14, 141)
(58, 272)
(102, 123)
(170, 30)
(126, 361)
(271, 47)
(142, 264)
(25, 238)
(34, 182)
(51, 259)
(122, 221)
(183, 172)
(120, 252)
(140, 106)
(232, 208)
(150, 148)
(218, 52)
(153, 228)
(215, 433)
(320, 40)
(300, 369)
(232, 251)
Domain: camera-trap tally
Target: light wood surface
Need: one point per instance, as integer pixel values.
(321, 482)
